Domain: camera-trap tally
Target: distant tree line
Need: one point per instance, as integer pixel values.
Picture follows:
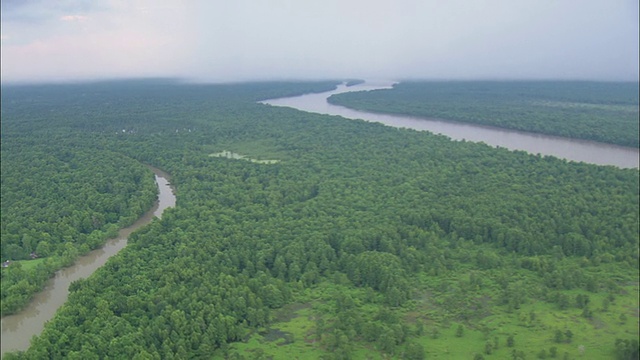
(600, 111)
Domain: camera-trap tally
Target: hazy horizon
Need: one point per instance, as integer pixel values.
(214, 41)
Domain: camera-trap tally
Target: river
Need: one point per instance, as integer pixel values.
(564, 148)
(18, 329)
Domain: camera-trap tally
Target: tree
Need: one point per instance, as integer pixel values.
(517, 354)
(14, 252)
(488, 348)
(272, 296)
(460, 331)
(582, 301)
(568, 335)
(622, 318)
(563, 301)
(627, 349)
(43, 249)
(511, 341)
(414, 351)
(387, 342)
(559, 336)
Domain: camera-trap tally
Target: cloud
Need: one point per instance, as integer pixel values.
(219, 40)
(432, 39)
(121, 42)
(73, 18)
(34, 12)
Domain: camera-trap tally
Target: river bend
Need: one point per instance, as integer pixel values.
(19, 328)
(564, 148)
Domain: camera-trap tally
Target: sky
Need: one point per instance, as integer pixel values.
(243, 40)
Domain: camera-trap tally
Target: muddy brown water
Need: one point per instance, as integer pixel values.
(570, 149)
(19, 328)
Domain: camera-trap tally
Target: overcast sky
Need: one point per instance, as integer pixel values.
(238, 40)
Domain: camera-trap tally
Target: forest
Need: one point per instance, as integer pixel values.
(360, 242)
(600, 111)
(59, 203)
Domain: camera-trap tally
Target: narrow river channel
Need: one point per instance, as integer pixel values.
(18, 329)
(564, 148)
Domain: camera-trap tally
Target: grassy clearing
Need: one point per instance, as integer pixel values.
(28, 265)
(293, 332)
(290, 339)
(534, 326)
(256, 151)
(31, 264)
(232, 155)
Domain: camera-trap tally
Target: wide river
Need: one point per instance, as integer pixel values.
(569, 149)
(18, 329)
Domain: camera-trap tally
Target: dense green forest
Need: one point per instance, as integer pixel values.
(60, 201)
(601, 111)
(361, 241)
(62, 193)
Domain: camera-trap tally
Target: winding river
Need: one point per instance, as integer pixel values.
(564, 148)
(18, 329)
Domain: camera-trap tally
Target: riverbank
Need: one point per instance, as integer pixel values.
(19, 328)
(565, 148)
(60, 201)
(605, 112)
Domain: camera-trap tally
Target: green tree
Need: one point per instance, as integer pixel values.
(414, 351)
(488, 348)
(568, 335)
(559, 336)
(622, 318)
(627, 349)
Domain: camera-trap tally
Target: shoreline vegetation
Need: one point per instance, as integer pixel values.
(606, 112)
(363, 241)
(353, 82)
(56, 209)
